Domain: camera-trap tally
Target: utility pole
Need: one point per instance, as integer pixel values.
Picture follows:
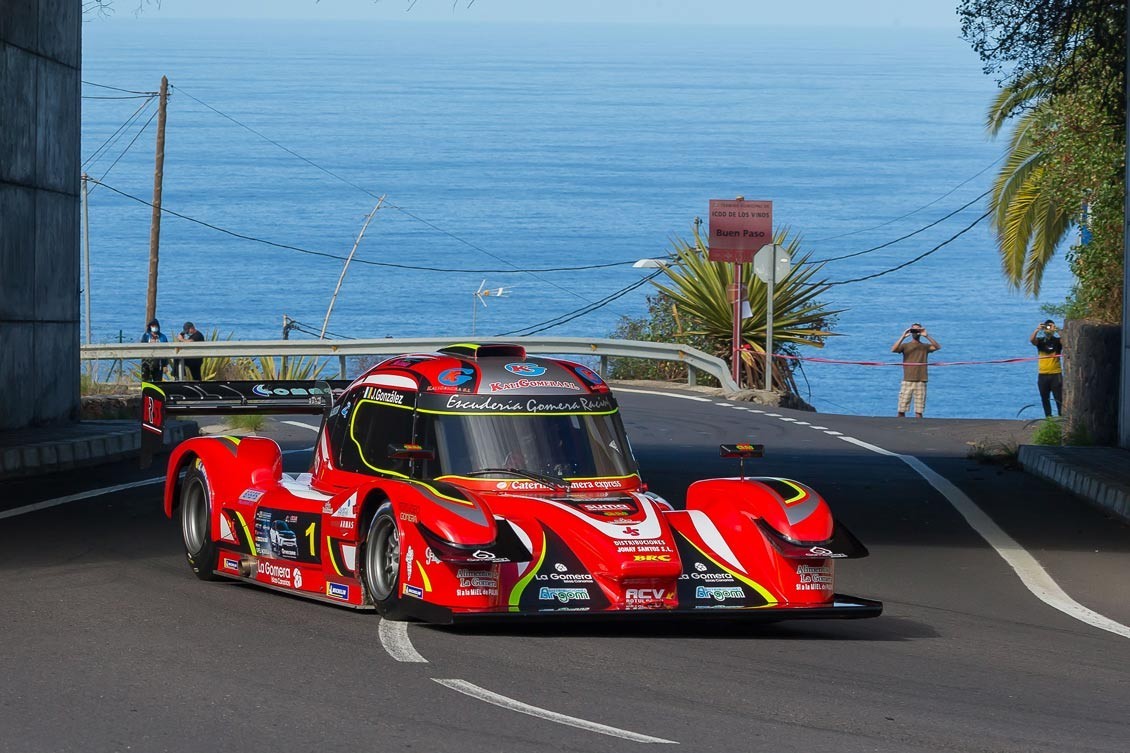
(86, 253)
(345, 266)
(155, 223)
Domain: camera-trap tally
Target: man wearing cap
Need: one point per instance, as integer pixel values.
(192, 365)
(1050, 366)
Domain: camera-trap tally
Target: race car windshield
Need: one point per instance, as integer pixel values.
(566, 446)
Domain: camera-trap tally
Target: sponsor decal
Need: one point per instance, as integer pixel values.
(527, 384)
(700, 567)
(430, 556)
(525, 369)
(632, 531)
(819, 551)
(280, 575)
(409, 558)
(414, 591)
(718, 593)
(382, 395)
(565, 577)
(337, 590)
(560, 568)
(708, 577)
(563, 595)
(632, 546)
(489, 404)
(251, 495)
(410, 513)
(348, 508)
(346, 408)
(652, 558)
(601, 484)
(230, 564)
(646, 598)
(607, 506)
(481, 554)
(814, 578)
(265, 390)
(476, 592)
(456, 377)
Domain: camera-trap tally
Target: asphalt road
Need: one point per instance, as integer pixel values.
(110, 644)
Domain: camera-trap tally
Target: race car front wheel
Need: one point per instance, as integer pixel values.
(196, 523)
(380, 571)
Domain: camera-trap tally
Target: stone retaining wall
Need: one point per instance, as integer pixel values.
(1091, 353)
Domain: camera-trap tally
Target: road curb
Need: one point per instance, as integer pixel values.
(1088, 472)
(83, 444)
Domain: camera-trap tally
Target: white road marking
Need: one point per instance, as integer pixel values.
(79, 496)
(394, 638)
(1034, 577)
(802, 423)
(833, 433)
(786, 418)
(773, 415)
(301, 425)
(820, 428)
(482, 694)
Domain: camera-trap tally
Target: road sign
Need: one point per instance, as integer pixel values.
(772, 263)
(738, 228)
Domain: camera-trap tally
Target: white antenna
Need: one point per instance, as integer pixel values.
(481, 295)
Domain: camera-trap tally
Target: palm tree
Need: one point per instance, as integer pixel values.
(700, 290)
(1029, 219)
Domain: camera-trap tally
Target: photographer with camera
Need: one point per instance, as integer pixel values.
(192, 365)
(1049, 379)
(914, 355)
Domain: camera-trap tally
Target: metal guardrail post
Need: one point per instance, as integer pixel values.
(692, 375)
(341, 367)
(604, 368)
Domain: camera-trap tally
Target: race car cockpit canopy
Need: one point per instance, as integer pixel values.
(496, 411)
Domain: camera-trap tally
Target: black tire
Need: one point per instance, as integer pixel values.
(380, 564)
(196, 523)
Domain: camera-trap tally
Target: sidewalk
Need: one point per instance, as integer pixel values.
(27, 452)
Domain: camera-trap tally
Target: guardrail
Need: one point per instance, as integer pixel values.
(694, 359)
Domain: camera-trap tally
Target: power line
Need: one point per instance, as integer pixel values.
(393, 265)
(118, 88)
(131, 143)
(902, 238)
(913, 211)
(113, 136)
(918, 258)
(556, 321)
(389, 204)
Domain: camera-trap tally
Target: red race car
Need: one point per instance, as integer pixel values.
(478, 482)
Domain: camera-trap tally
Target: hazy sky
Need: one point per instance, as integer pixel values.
(920, 13)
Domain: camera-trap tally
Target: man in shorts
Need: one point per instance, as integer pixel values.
(914, 354)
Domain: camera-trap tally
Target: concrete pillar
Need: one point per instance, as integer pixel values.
(40, 96)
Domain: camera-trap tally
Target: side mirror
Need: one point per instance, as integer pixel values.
(410, 452)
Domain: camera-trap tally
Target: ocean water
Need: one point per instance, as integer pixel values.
(525, 146)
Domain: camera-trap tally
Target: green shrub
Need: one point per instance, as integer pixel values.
(1049, 432)
(251, 422)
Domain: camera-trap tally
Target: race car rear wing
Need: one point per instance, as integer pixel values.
(291, 397)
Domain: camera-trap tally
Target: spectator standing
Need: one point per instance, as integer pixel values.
(192, 365)
(152, 369)
(1049, 379)
(914, 356)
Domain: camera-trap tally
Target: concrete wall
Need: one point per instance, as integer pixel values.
(40, 96)
(1090, 380)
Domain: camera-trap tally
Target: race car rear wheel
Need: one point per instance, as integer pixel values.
(380, 563)
(196, 523)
